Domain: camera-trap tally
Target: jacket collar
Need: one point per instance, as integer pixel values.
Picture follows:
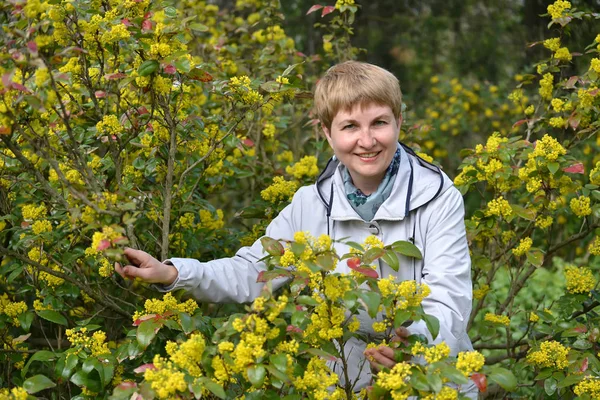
(416, 184)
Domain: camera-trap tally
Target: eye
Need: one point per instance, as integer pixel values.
(348, 126)
(380, 122)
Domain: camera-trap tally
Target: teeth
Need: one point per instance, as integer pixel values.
(367, 155)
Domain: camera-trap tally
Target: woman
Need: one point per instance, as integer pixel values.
(373, 186)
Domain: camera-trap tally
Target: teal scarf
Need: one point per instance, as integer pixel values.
(367, 205)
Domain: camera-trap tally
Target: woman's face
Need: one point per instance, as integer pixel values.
(364, 139)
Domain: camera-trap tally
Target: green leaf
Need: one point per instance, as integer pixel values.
(454, 375)
(148, 67)
(535, 257)
(37, 383)
(187, 324)
(199, 27)
(307, 300)
(370, 301)
(419, 381)
(433, 325)
(26, 319)
(52, 316)
(147, 331)
(525, 213)
(504, 378)
(407, 249)
(41, 355)
(272, 246)
(170, 12)
(256, 375)
(553, 167)
(401, 317)
(391, 259)
(183, 65)
(279, 361)
(92, 363)
(550, 386)
(355, 245)
(570, 380)
(435, 382)
(290, 68)
(326, 260)
(214, 387)
(372, 255)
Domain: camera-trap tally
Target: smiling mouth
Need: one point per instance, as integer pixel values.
(368, 155)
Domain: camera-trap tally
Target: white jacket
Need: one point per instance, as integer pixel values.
(423, 205)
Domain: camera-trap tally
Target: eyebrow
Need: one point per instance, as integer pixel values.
(354, 121)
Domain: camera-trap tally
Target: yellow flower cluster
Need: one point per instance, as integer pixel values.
(497, 319)
(406, 293)
(556, 10)
(168, 303)
(499, 208)
(306, 167)
(431, 354)
(116, 33)
(280, 190)
(552, 44)
(533, 317)
(595, 175)
(209, 222)
(16, 393)
(13, 310)
(480, 293)
(41, 226)
(187, 356)
(95, 344)
(254, 334)
(165, 380)
(241, 86)
(595, 65)
(546, 86)
(544, 222)
(563, 54)
(108, 234)
(326, 323)
(586, 97)
(594, 247)
(549, 148)
(269, 131)
(581, 206)
(557, 122)
(396, 380)
(51, 280)
(469, 362)
(336, 286)
(272, 33)
(579, 279)
(340, 3)
(550, 354)
(523, 247)
(590, 385)
(109, 125)
(557, 105)
(31, 212)
(316, 379)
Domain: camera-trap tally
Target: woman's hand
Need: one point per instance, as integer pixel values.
(383, 356)
(147, 268)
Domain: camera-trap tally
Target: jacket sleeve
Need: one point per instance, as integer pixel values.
(447, 271)
(233, 280)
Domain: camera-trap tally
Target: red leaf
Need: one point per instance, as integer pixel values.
(32, 46)
(366, 271)
(127, 385)
(4, 130)
(117, 75)
(327, 10)
(584, 365)
(295, 329)
(25, 224)
(147, 25)
(103, 245)
(142, 368)
(170, 69)
(314, 8)
(248, 142)
(571, 82)
(575, 169)
(519, 123)
(142, 111)
(126, 22)
(100, 94)
(574, 121)
(144, 318)
(353, 262)
(480, 381)
(581, 329)
(6, 80)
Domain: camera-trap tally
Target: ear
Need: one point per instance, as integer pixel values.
(327, 133)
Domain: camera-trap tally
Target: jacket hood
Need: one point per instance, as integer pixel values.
(417, 183)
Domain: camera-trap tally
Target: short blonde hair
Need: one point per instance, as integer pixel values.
(354, 83)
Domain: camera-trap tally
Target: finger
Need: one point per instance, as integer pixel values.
(386, 352)
(119, 270)
(135, 257)
(402, 332)
(383, 360)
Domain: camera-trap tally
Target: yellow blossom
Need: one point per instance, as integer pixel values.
(306, 167)
(497, 319)
(550, 354)
(556, 10)
(280, 190)
(579, 279)
(581, 206)
(523, 247)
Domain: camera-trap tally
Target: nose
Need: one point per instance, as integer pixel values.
(366, 139)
